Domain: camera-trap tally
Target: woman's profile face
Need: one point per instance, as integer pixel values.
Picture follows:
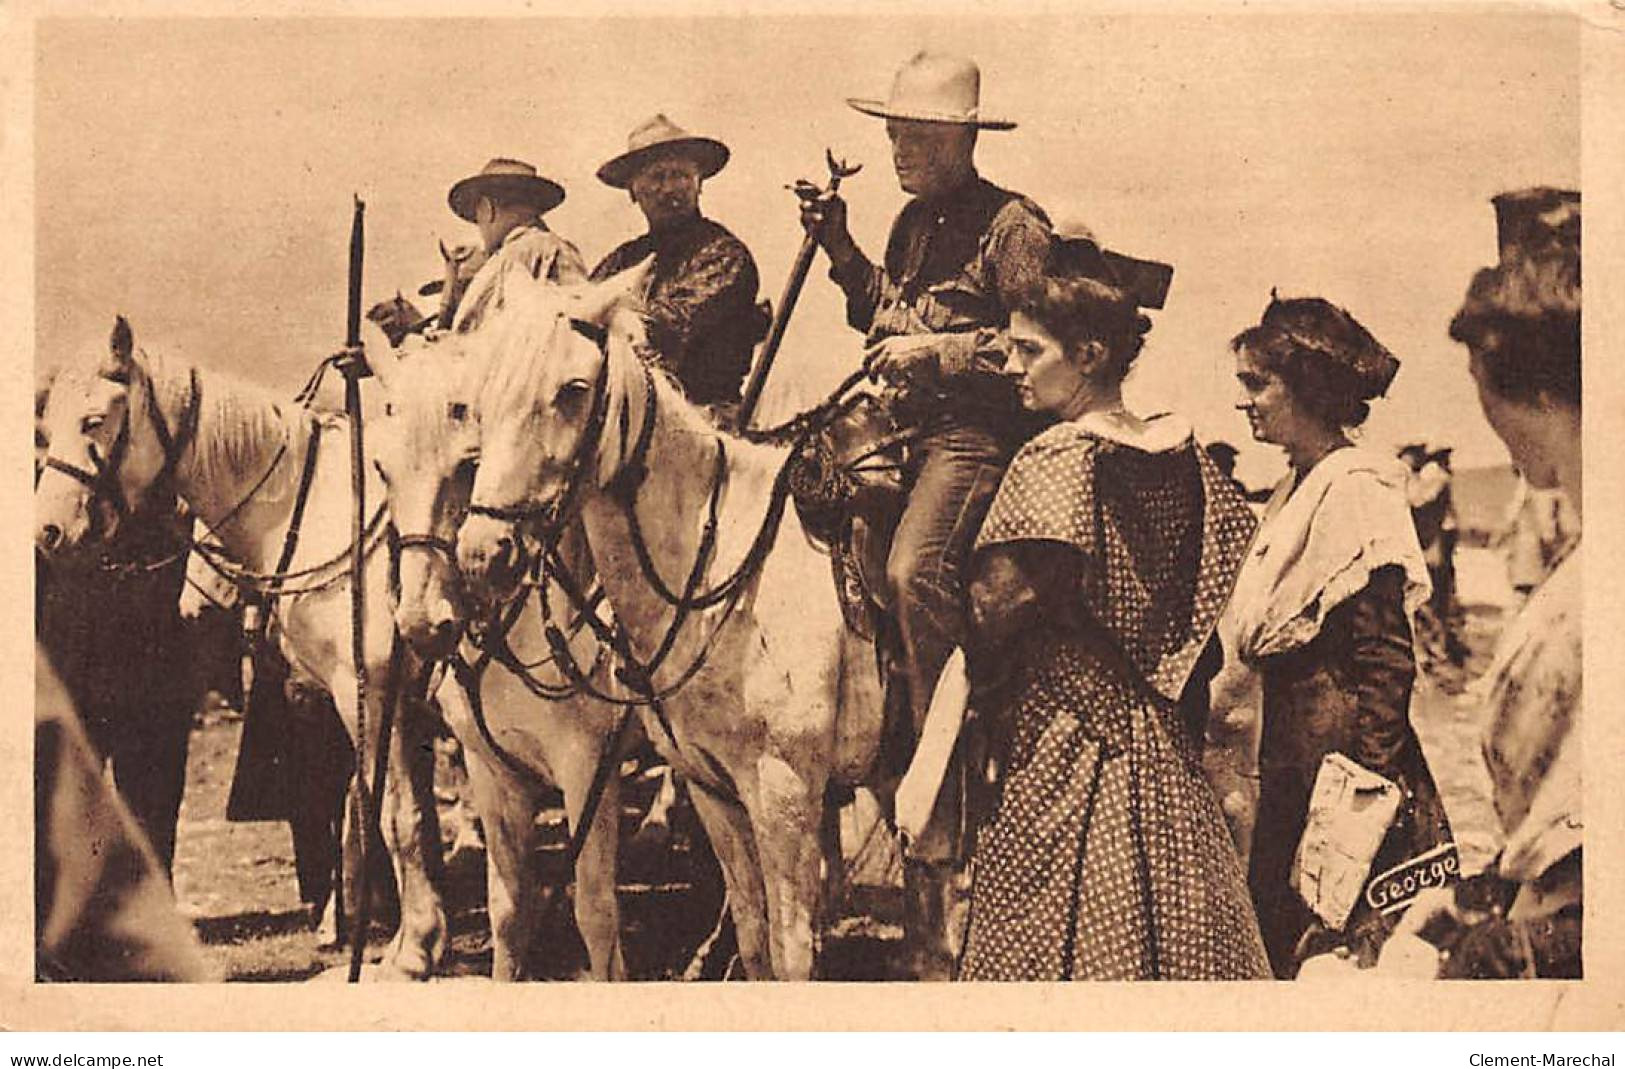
(1275, 415)
(1515, 423)
(1046, 376)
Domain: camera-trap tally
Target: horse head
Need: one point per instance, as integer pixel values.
(460, 263)
(107, 444)
(425, 445)
(557, 362)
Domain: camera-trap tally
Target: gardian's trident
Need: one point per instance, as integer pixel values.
(838, 169)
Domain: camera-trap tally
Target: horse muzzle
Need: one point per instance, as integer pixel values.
(432, 630)
(492, 557)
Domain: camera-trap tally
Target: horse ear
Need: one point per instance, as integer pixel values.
(121, 346)
(634, 281)
(599, 299)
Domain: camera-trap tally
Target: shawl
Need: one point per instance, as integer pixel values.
(1532, 731)
(1318, 546)
(1050, 493)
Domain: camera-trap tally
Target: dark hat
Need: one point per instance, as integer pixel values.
(1318, 326)
(509, 180)
(1146, 282)
(1537, 221)
(659, 136)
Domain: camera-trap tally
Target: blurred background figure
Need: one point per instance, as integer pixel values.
(1433, 510)
(1541, 527)
(102, 906)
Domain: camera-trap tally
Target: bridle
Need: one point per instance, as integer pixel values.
(551, 518)
(103, 480)
(435, 545)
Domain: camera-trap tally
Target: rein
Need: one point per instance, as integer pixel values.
(551, 515)
(103, 482)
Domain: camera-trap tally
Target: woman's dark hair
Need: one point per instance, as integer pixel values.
(1332, 364)
(1081, 310)
(1522, 318)
(1329, 391)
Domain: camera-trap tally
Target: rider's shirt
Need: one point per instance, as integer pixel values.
(954, 266)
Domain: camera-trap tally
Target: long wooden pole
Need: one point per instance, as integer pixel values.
(360, 809)
(787, 303)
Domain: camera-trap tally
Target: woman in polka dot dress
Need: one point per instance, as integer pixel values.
(1096, 584)
(1323, 613)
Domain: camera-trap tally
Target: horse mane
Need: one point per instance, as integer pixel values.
(529, 327)
(628, 400)
(235, 419)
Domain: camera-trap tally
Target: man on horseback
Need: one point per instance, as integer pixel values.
(704, 321)
(934, 313)
(506, 201)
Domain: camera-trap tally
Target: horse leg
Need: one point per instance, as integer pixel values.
(789, 825)
(729, 828)
(332, 929)
(507, 811)
(412, 835)
(598, 911)
(834, 867)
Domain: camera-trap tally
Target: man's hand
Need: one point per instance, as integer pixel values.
(823, 216)
(902, 357)
(352, 357)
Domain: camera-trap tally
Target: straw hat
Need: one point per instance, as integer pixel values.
(506, 180)
(660, 136)
(934, 87)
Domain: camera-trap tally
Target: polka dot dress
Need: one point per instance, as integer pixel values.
(1107, 856)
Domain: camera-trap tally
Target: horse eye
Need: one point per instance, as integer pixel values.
(91, 424)
(456, 410)
(572, 392)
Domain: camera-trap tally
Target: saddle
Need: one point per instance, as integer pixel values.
(848, 484)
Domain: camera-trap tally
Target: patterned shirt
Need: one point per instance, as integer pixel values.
(703, 317)
(954, 266)
(532, 249)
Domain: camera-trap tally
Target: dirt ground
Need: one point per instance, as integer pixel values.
(237, 879)
(237, 882)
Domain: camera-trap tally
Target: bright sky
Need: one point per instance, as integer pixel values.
(196, 174)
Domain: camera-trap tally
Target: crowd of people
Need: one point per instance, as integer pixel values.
(1125, 606)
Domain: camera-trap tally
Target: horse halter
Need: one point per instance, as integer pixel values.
(103, 482)
(552, 516)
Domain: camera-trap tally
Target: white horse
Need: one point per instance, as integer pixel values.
(131, 420)
(768, 698)
(517, 742)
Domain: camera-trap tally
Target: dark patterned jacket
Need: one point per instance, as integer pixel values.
(704, 321)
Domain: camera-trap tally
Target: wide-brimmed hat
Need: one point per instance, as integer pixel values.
(1146, 282)
(503, 179)
(656, 137)
(1321, 327)
(934, 87)
(1537, 221)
